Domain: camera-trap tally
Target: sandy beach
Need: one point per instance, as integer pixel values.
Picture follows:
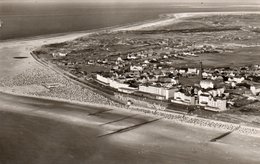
(177, 17)
(23, 47)
(50, 123)
(51, 131)
(22, 74)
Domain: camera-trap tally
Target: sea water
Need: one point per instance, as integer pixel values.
(21, 20)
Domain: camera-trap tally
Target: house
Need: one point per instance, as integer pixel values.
(152, 78)
(212, 92)
(217, 104)
(192, 71)
(116, 67)
(204, 99)
(131, 56)
(217, 78)
(205, 75)
(91, 62)
(132, 74)
(136, 68)
(183, 98)
(257, 66)
(212, 103)
(237, 80)
(168, 80)
(146, 62)
(182, 71)
(205, 84)
(255, 89)
(119, 59)
(143, 79)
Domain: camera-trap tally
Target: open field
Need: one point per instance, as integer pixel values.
(219, 40)
(51, 131)
(212, 39)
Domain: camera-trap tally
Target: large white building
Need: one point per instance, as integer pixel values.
(103, 80)
(210, 103)
(115, 84)
(164, 92)
(182, 98)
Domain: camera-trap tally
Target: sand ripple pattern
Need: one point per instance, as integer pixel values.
(36, 76)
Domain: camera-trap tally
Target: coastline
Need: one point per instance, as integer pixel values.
(30, 43)
(187, 120)
(163, 19)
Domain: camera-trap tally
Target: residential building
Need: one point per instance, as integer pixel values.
(168, 80)
(192, 71)
(237, 80)
(136, 68)
(255, 89)
(205, 84)
(182, 71)
(217, 104)
(212, 103)
(184, 98)
(213, 92)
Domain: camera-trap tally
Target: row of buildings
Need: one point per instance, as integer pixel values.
(217, 90)
(205, 95)
(150, 73)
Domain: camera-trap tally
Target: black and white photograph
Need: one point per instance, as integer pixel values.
(129, 81)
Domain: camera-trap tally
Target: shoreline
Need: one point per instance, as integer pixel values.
(97, 30)
(187, 120)
(172, 18)
(162, 20)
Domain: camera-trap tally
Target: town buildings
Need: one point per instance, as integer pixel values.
(151, 73)
(217, 91)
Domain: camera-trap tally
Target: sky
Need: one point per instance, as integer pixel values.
(143, 1)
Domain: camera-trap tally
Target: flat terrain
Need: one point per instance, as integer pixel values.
(21, 74)
(217, 40)
(35, 130)
(56, 132)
